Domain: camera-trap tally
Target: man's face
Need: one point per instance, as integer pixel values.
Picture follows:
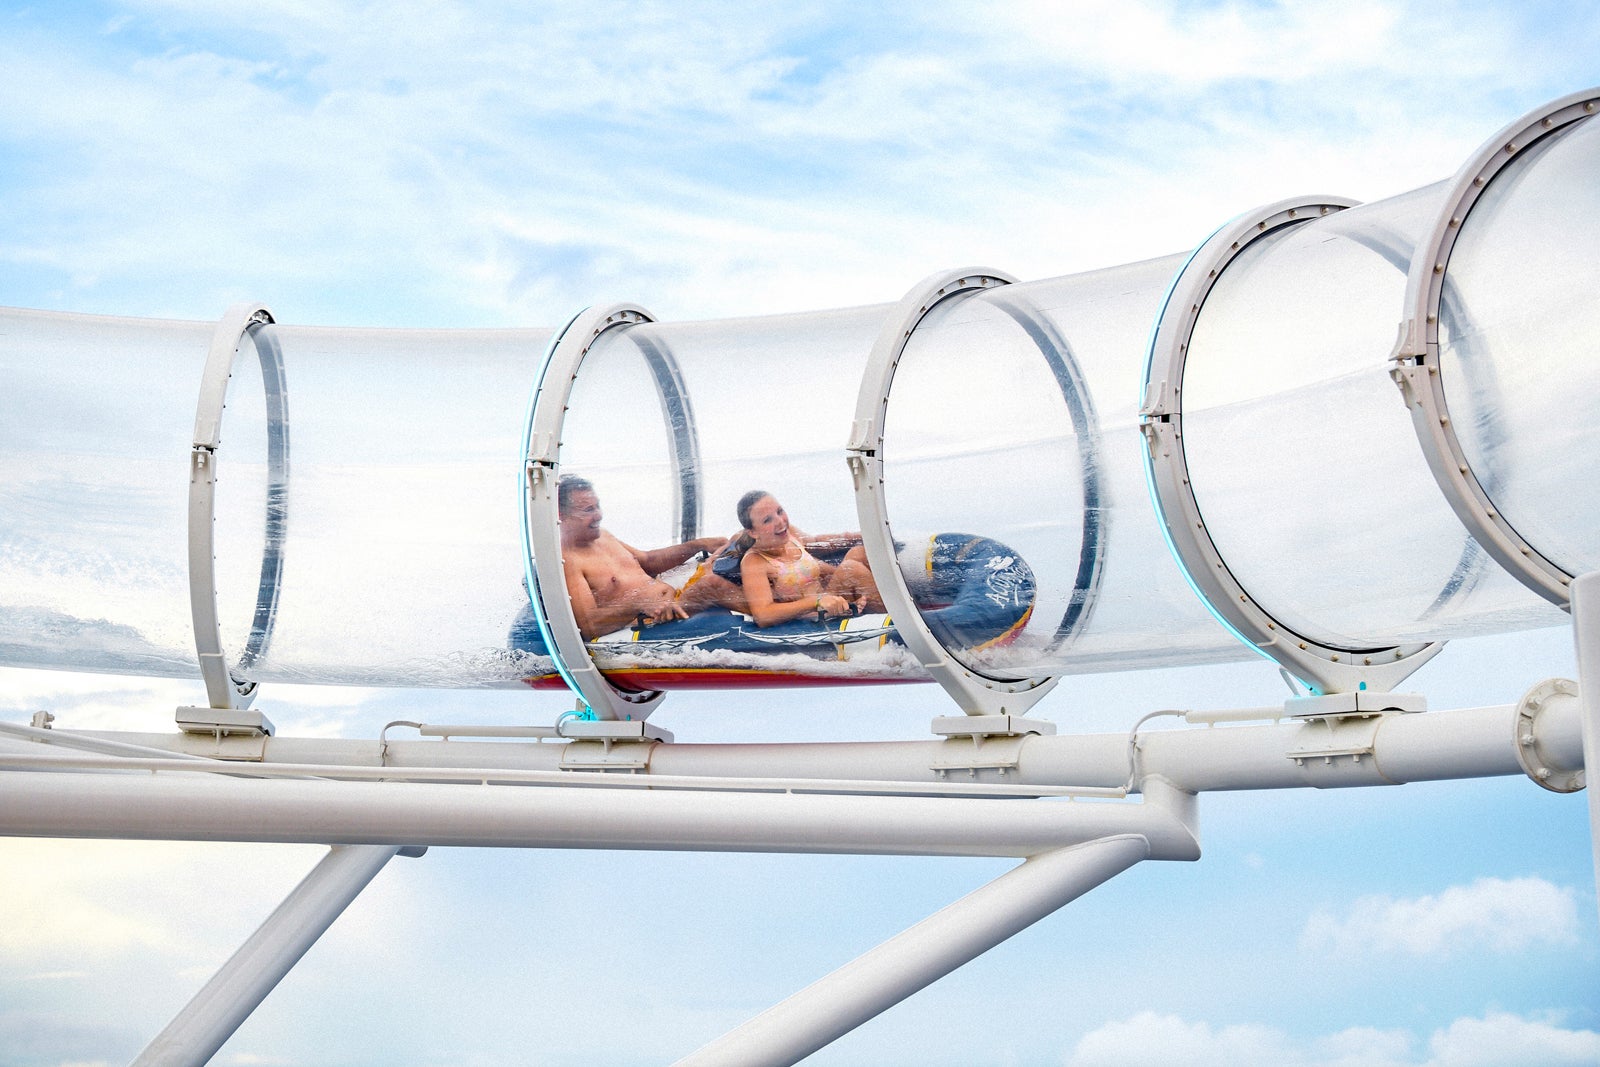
(580, 521)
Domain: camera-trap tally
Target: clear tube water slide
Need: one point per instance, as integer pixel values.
(1182, 460)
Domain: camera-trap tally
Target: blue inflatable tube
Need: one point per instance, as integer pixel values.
(973, 592)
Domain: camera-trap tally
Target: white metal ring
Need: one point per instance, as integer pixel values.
(541, 513)
(224, 688)
(1327, 668)
(1417, 366)
(976, 694)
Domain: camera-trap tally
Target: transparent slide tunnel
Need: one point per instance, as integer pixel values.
(991, 482)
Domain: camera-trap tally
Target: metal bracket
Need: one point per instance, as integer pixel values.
(984, 726)
(1530, 754)
(611, 730)
(1359, 702)
(1327, 738)
(995, 742)
(236, 733)
(602, 745)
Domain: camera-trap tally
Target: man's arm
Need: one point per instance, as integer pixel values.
(658, 560)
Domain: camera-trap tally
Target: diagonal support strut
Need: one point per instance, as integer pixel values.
(871, 984)
(227, 1000)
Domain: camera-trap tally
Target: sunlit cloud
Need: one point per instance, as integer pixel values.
(1503, 915)
(1500, 1038)
(110, 897)
(94, 701)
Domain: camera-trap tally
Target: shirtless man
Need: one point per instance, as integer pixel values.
(612, 584)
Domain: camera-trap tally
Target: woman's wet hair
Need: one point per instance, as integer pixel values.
(747, 503)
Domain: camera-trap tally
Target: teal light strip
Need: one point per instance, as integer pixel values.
(529, 572)
(1150, 472)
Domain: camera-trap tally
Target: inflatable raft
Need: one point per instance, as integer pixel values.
(974, 593)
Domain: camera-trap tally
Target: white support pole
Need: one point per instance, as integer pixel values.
(180, 806)
(864, 988)
(261, 962)
(1437, 745)
(1586, 634)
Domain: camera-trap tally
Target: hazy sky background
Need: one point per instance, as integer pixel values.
(490, 165)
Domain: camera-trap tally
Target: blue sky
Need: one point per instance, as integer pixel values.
(502, 165)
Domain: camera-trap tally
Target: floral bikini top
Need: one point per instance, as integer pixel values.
(794, 578)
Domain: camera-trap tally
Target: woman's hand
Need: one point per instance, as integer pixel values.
(829, 604)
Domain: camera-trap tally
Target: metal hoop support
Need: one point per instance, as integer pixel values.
(1326, 668)
(977, 694)
(541, 509)
(678, 414)
(1416, 355)
(224, 688)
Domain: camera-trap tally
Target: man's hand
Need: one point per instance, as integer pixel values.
(667, 611)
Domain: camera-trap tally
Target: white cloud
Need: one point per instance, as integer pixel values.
(1500, 1038)
(1152, 1038)
(95, 701)
(1497, 1040)
(700, 160)
(108, 702)
(1189, 45)
(104, 898)
(1505, 915)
